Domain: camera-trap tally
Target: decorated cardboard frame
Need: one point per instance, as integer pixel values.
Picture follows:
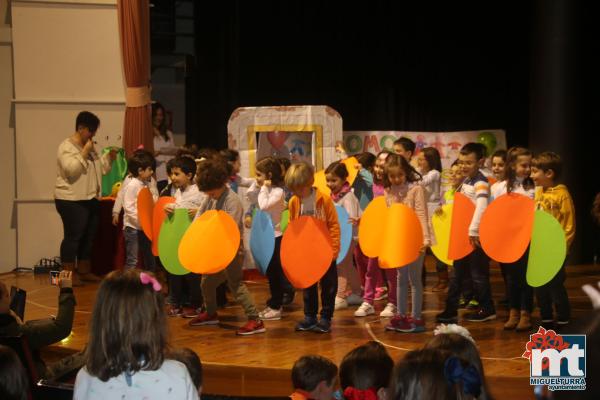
(247, 123)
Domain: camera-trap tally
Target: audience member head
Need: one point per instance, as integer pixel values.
(315, 375)
(366, 370)
(128, 328)
(457, 341)
(190, 359)
(13, 378)
(434, 374)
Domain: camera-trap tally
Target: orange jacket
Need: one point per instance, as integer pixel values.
(325, 211)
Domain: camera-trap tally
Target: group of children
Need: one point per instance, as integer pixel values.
(212, 182)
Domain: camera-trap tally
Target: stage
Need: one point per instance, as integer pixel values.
(259, 365)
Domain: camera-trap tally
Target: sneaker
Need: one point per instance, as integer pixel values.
(205, 319)
(364, 310)
(389, 311)
(270, 314)
(480, 316)
(446, 317)
(473, 305)
(288, 298)
(396, 321)
(174, 311)
(411, 325)
(190, 312)
(340, 303)
(380, 293)
(354, 300)
(462, 303)
(253, 326)
(307, 324)
(324, 326)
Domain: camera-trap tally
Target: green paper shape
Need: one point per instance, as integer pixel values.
(117, 172)
(547, 250)
(172, 230)
(285, 219)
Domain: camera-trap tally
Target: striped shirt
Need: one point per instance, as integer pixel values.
(477, 189)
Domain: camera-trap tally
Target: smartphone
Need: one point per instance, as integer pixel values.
(54, 277)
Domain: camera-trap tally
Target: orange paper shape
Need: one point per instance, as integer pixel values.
(306, 251)
(210, 243)
(403, 237)
(145, 208)
(158, 216)
(506, 227)
(321, 183)
(372, 227)
(351, 163)
(459, 245)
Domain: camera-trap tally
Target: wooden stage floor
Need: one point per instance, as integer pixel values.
(259, 365)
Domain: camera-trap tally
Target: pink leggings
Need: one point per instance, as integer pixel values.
(373, 277)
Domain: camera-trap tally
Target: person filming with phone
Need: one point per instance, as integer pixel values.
(43, 332)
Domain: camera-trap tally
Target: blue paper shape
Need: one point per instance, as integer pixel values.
(262, 240)
(345, 232)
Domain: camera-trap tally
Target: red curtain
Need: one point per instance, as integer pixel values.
(134, 31)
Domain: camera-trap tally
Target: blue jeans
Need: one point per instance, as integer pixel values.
(136, 241)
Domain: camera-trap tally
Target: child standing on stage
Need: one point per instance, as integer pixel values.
(401, 181)
(348, 292)
(235, 180)
(555, 199)
(430, 166)
(126, 351)
(499, 169)
(311, 202)
(270, 199)
(141, 167)
(374, 288)
(189, 197)
(476, 187)
(520, 294)
(212, 178)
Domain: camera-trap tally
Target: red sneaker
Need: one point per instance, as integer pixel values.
(395, 322)
(252, 326)
(174, 311)
(411, 325)
(205, 319)
(189, 312)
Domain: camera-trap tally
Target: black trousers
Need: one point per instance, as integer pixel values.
(554, 293)
(478, 264)
(192, 282)
(329, 288)
(276, 278)
(80, 221)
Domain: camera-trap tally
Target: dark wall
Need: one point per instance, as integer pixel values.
(391, 65)
(381, 64)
